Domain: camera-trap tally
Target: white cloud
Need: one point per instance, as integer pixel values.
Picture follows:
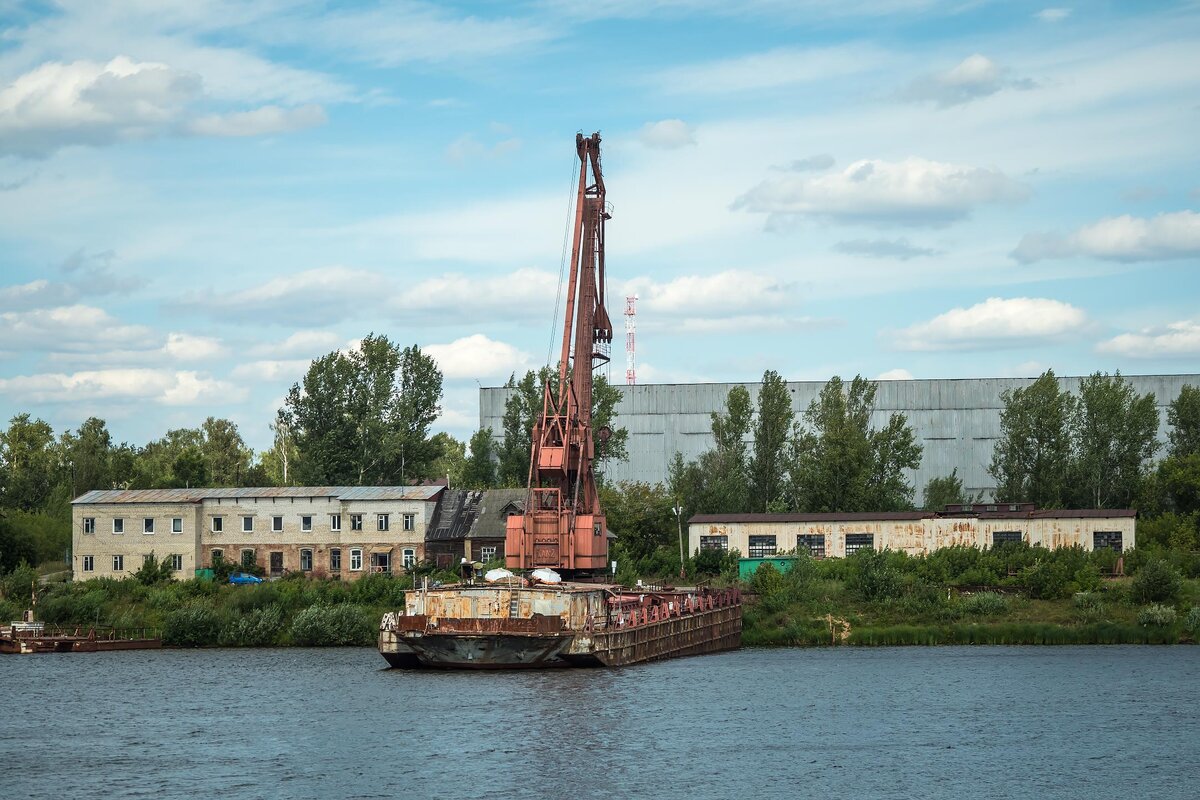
(37, 294)
(466, 149)
(89, 103)
(667, 134)
(1124, 238)
(900, 249)
(721, 294)
(1053, 14)
(260, 121)
(769, 70)
(319, 296)
(310, 343)
(268, 370)
(165, 387)
(187, 347)
(972, 78)
(477, 356)
(996, 322)
(895, 375)
(440, 299)
(913, 191)
(817, 163)
(76, 328)
(1175, 340)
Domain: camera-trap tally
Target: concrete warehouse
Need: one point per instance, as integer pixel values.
(957, 421)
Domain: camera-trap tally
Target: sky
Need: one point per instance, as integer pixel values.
(199, 197)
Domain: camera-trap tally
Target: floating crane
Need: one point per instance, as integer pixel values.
(563, 526)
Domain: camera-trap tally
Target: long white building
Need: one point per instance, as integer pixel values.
(957, 421)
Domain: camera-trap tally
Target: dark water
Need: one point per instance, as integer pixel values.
(1018, 722)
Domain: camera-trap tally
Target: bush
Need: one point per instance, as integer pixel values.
(873, 576)
(767, 580)
(1046, 580)
(1156, 616)
(1088, 601)
(259, 628)
(1192, 622)
(192, 626)
(379, 590)
(1157, 581)
(985, 604)
(332, 626)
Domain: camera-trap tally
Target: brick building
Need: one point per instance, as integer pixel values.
(335, 531)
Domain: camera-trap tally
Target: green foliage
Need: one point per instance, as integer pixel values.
(379, 590)
(945, 491)
(479, 470)
(840, 463)
(1183, 415)
(1156, 581)
(334, 626)
(716, 482)
(1156, 616)
(1178, 478)
(258, 628)
(192, 626)
(362, 418)
(28, 463)
(1032, 458)
(1088, 601)
(1113, 438)
(712, 562)
(450, 460)
(767, 580)
(984, 604)
(154, 571)
(1046, 579)
(1192, 622)
(772, 425)
(641, 516)
(873, 575)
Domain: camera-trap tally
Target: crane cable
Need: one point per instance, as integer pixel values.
(562, 262)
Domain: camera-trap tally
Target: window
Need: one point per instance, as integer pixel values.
(410, 557)
(355, 560)
(148, 525)
(306, 560)
(335, 522)
(859, 541)
(1103, 539)
(89, 524)
(176, 562)
(1012, 507)
(176, 524)
(356, 522)
(335, 558)
(118, 525)
(410, 522)
(761, 546)
(89, 563)
(381, 563)
(382, 522)
(1002, 537)
(306, 523)
(277, 524)
(218, 555)
(118, 563)
(814, 542)
(218, 524)
(714, 542)
(486, 554)
(247, 524)
(247, 558)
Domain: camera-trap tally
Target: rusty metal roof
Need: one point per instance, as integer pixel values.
(197, 495)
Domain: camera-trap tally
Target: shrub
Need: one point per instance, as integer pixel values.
(331, 626)
(191, 626)
(985, 604)
(378, 590)
(1156, 581)
(1087, 577)
(1088, 601)
(1156, 616)
(873, 576)
(255, 629)
(1046, 580)
(1192, 623)
(767, 580)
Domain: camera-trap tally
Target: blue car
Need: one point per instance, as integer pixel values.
(243, 578)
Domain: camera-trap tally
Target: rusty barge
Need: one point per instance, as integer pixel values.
(565, 625)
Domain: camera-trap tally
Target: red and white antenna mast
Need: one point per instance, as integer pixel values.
(630, 339)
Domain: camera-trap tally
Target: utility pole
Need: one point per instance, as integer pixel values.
(678, 509)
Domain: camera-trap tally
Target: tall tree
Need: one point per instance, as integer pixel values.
(226, 457)
(641, 517)
(944, 491)
(450, 461)
(1113, 438)
(605, 397)
(29, 461)
(1183, 415)
(363, 417)
(1032, 458)
(479, 472)
(772, 425)
(277, 462)
(717, 481)
(88, 456)
(840, 463)
(1179, 474)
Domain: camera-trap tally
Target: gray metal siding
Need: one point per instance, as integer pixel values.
(957, 421)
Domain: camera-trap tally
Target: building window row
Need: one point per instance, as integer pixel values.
(118, 562)
(859, 541)
(217, 523)
(380, 562)
(118, 525)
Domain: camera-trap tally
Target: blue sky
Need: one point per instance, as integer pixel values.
(196, 198)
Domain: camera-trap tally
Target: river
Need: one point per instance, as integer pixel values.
(948, 722)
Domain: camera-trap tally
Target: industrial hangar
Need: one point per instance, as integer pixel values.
(956, 420)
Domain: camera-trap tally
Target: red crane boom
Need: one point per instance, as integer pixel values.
(563, 526)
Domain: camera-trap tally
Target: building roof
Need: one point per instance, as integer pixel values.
(904, 516)
(197, 495)
(455, 513)
(491, 521)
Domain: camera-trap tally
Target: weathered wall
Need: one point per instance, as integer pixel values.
(917, 537)
(133, 544)
(957, 421)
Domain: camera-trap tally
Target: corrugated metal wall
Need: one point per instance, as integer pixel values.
(956, 420)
